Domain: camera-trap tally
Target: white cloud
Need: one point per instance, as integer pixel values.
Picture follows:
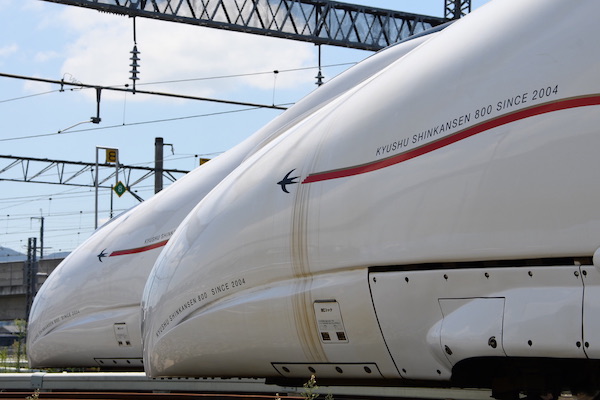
(171, 51)
(38, 87)
(31, 5)
(8, 50)
(44, 56)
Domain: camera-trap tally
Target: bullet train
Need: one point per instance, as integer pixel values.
(87, 313)
(438, 223)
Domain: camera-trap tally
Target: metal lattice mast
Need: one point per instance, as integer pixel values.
(315, 21)
(456, 9)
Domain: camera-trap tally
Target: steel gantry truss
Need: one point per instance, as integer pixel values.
(75, 173)
(315, 21)
(456, 9)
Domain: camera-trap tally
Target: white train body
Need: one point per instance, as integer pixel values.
(438, 221)
(87, 312)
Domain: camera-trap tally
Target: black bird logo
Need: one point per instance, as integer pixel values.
(287, 181)
(102, 254)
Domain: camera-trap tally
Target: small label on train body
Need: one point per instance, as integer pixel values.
(329, 322)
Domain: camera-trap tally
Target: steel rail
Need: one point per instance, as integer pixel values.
(21, 395)
(138, 382)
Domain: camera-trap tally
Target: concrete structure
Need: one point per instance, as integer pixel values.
(13, 286)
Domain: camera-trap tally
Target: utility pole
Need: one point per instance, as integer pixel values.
(41, 236)
(31, 268)
(158, 164)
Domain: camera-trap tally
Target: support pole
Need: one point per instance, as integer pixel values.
(97, 119)
(41, 235)
(96, 188)
(41, 238)
(30, 274)
(319, 74)
(158, 164)
(114, 157)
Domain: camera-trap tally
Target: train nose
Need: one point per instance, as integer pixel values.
(75, 320)
(86, 341)
(224, 274)
(49, 316)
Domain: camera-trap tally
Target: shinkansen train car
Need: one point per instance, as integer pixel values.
(87, 312)
(438, 223)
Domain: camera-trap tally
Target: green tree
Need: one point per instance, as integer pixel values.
(4, 358)
(21, 325)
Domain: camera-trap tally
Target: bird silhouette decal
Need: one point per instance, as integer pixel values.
(287, 181)
(102, 254)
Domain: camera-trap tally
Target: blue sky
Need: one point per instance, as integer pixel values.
(56, 42)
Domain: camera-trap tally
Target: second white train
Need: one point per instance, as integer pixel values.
(436, 223)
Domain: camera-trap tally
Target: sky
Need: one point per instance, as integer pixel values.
(55, 41)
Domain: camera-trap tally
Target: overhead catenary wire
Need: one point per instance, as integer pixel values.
(68, 227)
(119, 89)
(29, 96)
(62, 132)
(79, 85)
(187, 80)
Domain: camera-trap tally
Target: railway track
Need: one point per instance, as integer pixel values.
(136, 386)
(38, 395)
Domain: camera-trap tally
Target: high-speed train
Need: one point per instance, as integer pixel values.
(437, 223)
(87, 313)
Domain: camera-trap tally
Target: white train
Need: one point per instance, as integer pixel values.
(437, 223)
(87, 312)
(429, 217)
